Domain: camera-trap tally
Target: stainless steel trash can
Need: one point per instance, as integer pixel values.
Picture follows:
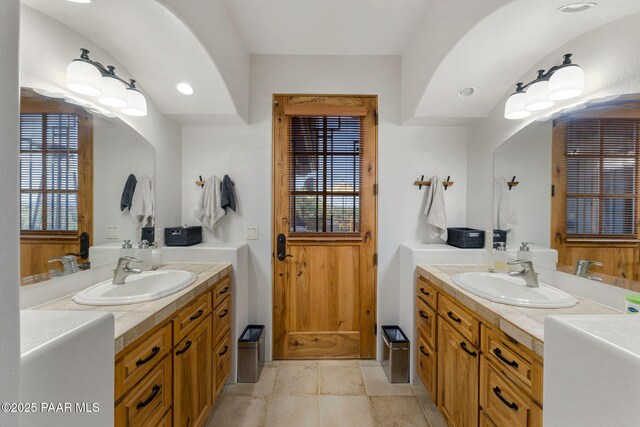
(251, 354)
(395, 355)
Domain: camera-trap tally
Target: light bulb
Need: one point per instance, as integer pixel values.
(514, 107)
(113, 92)
(136, 103)
(566, 83)
(537, 96)
(84, 78)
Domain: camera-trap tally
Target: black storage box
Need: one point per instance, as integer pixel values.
(183, 236)
(467, 238)
(499, 236)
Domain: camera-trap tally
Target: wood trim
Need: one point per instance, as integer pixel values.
(325, 110)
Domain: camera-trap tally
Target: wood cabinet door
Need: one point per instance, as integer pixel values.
(192, 377)
(457, 377)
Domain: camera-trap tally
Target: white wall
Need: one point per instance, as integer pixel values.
(118, 151)
(47, 47)
(527, 154)
(610, 57)
(404, 153)
(9, 265)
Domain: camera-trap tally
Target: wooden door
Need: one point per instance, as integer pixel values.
(619, 254)
(324, 226)
(457, 377)
(56, 182)
(192, 377)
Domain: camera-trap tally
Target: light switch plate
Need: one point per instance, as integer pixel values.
(251, 232)
(113, 232)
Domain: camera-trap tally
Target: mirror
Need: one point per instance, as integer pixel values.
(575, 190)
(73, 169)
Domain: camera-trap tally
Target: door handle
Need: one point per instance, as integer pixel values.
(281, 248)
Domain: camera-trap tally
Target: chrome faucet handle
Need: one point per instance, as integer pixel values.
(583, 266)
(526, 262)
(129, 259)
(69, 263)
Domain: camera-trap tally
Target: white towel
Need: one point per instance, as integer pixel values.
(435, 211)
(142, 203)
(505, 210)
(209, 210)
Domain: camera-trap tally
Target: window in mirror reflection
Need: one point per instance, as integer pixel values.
(601, 164)
(56, 190)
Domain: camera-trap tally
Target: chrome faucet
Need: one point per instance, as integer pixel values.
(123, 271)
(527, 273)
(582, 269)
(69, 264)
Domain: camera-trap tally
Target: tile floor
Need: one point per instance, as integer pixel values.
(326, 393)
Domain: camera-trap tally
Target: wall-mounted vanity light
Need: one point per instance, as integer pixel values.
(91, 78)
(561, 82)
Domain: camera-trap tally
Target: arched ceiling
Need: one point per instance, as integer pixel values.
(445, 45)
(160, 50)
(327, 27)
(492, 53)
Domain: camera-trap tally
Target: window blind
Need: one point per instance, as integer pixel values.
(602, 177)
(49, 172)
(324, 174)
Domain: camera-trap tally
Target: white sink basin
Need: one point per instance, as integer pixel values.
(146, 286)
(505, 289)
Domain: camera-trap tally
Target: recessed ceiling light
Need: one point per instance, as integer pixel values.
(184, 88)
(466, 92)
(577, 7)
(80, 1)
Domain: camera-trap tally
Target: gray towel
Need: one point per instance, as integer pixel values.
(127, 192)
(228, 194)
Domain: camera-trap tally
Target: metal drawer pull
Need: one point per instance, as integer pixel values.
(186, 347)
(454, 318)
(423, 352)
(223, 291)
(499, 355)
(224, 313)
(511, 405)
(226, 348)
(198, 314)
(424, 315)
(424, 291)
(469, 352)
(155, 350)
(154, 394)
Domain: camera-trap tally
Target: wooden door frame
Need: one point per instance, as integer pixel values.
(322, 104)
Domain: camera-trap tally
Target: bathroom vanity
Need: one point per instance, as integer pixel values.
(481, 361)
(172, 355)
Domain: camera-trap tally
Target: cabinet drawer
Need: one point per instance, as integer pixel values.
(221, 320)
(427, 367)
(461, 318)
(515, 363)
(221, 290)
(503, 402)
(222, 357)
(167, 420)
(190, 316)
(485, 421)
(149, 400)
(426, 322)
(141, 359)
(427, 292)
